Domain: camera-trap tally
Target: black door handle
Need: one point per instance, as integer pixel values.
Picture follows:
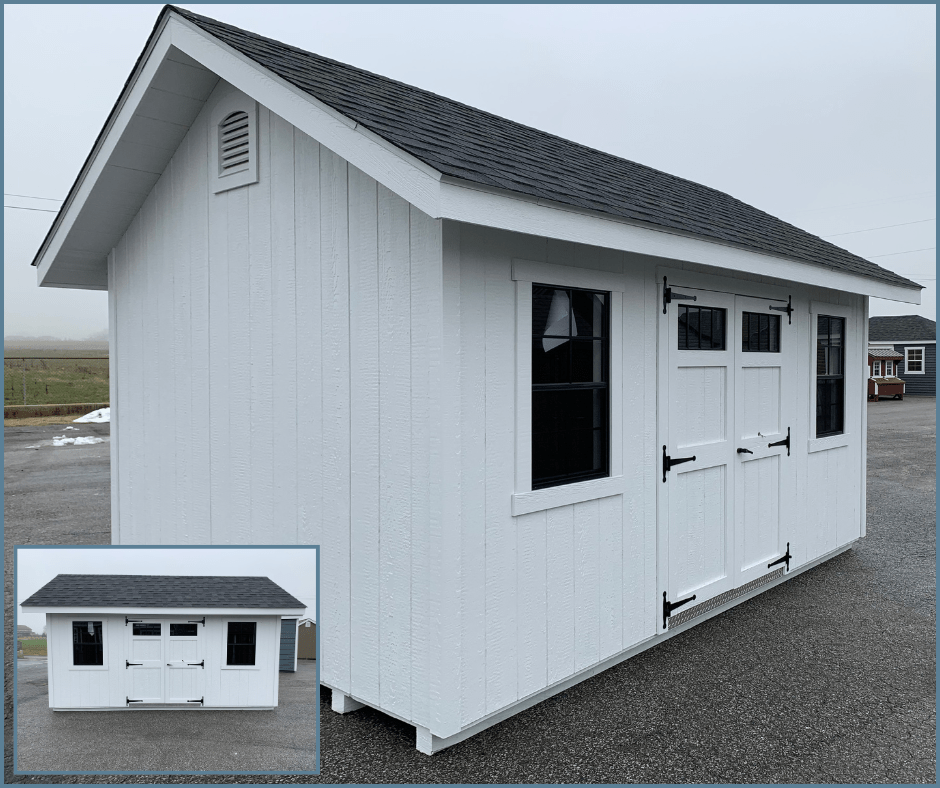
(745, 451)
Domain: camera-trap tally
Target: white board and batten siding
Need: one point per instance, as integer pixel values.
(273, 384)
(310, 359)
(108, 686)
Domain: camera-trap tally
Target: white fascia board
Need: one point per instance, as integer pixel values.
(533, 216)
(395, 169)
(890, 342)
(162, 612)
(100, 155)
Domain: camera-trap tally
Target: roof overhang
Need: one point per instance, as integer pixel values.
(163, 612)
(179, 68)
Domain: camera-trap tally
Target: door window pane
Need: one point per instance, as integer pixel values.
(183, 630)
(150, 630)
(760, 333)
(701, 328)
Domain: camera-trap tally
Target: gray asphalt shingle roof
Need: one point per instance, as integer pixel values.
(161, 591)
(900, 328)
(477, 146)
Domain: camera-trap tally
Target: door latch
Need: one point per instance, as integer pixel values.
(668, 606)
(784, 442)
(668, 462)
(669, 296)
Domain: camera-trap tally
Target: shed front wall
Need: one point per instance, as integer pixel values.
(274, 351)
(96, 687)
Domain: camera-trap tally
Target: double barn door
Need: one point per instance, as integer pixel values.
(728, 475)
(165, 661)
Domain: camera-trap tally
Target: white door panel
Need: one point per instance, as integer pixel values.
(167, 664)
(723, 515)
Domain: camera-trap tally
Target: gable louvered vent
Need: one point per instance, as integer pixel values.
(234, 143)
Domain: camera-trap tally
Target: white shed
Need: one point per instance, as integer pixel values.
(541, 407)
(163, 642)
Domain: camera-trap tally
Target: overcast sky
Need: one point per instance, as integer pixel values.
(821, 115)
(293, 569)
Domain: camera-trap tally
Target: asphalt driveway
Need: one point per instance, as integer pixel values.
(138, 741)
(829, 677)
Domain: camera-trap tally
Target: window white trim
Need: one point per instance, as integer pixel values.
(242, 619)
(105, 644)
(526, 500)
(889, 367)
(852, 356)
(876, 369)
(907, 360)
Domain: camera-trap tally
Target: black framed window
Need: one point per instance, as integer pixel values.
(760, 333)
(701, 328)
(241, 643)
(570, 385)
(183, 630)
(151, 630)
(87, 643)
(830, 375)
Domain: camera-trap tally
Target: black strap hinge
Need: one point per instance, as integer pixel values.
(130, 701)
(128, 664)
(668, 606)
(198, 700)
(784, 442)
(668, 462)
(132, 621)
(785, 558)
(788, 309)
(197, 664)
(198, 621)
(669, 296)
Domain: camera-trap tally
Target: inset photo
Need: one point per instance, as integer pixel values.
(209, 654)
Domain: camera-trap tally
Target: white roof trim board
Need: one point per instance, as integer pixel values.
(74, 253)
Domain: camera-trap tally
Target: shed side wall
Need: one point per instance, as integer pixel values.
(542, 596)
(276, 355)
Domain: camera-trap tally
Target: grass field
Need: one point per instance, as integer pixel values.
(32, 647)
(55, 381)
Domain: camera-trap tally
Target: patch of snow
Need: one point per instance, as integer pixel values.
(71, 428)
(61, 440)
(98, 416)
(34, 446)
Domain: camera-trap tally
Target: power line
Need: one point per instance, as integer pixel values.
(909, 251)
(883, 227)
(31, 197)
(21, 208)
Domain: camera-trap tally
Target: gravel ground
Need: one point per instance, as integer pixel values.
(280, 740)
(830, 677)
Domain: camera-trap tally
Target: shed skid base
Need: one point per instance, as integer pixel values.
(160, 707)
(429, 743)
(343, 704)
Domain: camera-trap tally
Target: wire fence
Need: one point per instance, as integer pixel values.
(54, 380)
